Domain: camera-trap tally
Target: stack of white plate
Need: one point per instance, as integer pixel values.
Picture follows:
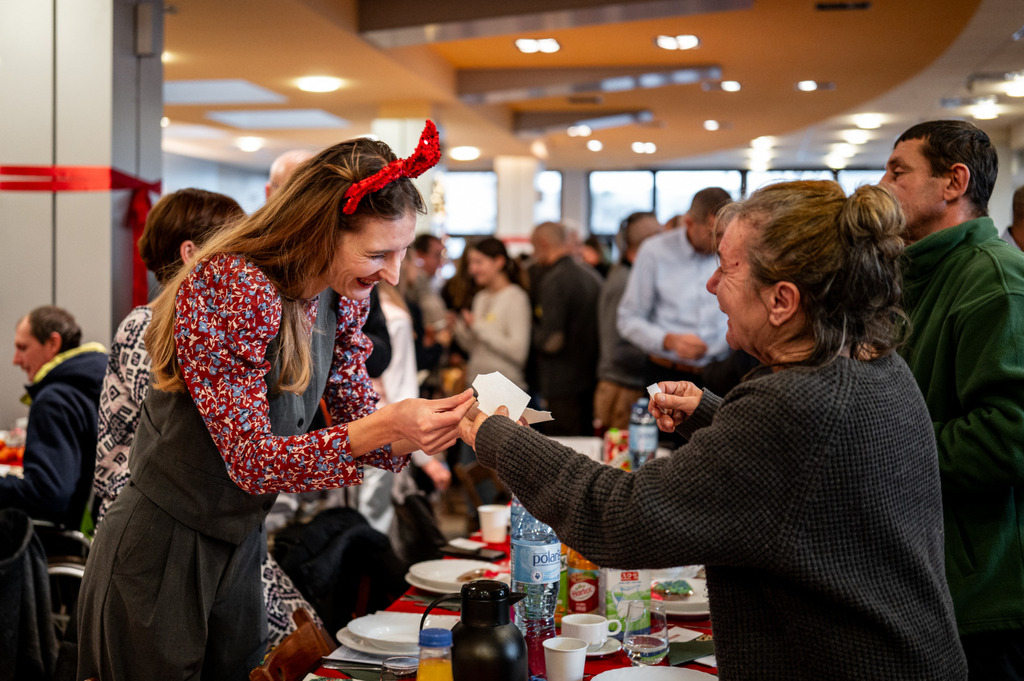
(390, 633)
(448, 576)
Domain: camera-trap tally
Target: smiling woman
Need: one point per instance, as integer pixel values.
(245, 342)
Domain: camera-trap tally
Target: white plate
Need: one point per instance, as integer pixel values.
(611, 645)
(693, 606)
(349, 640)
(397, 631)
(652, 674)
(428, 586)
(444, 574)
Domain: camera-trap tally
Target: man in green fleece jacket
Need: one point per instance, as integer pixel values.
(964, 294)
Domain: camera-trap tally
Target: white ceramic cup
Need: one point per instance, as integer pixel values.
(594, 629)
(494, 519)
(564, 658)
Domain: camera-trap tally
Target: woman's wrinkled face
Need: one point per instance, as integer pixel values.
(737, 297)
(373, 251)
(484, 269)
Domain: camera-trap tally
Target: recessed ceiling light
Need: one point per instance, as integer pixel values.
(579, 131)
(985, 109)
(868, 121)
(164, 122)
(759, 166)
(464, 153)
(1015, 87)
(677, 42)
(731, 85)
(539, 149)
(845, 150)
(532, 45)
(712, 125)
(249, 144)
(762, 142)
(595, 145)
(836, 162)
(319, 83)
(856, 136)
(807, 85)
(644, 147)
(761, 155)
(166, 57)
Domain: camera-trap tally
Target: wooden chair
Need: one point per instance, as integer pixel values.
(471, 475)
(298, 654)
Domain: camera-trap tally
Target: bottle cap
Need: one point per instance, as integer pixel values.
(435, 638)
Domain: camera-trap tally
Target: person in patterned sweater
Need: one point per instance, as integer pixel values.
(244, 342)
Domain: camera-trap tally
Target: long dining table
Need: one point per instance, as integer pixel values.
(415, 600)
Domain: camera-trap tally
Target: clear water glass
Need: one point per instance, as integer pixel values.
(398, 668)
(645, 633)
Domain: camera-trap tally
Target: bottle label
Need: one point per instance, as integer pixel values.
(643, 437)
(537, 564)
(583, 590)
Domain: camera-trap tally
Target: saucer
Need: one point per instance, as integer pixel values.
(611, 645)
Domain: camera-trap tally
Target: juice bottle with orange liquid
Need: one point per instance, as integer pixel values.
(435, 655)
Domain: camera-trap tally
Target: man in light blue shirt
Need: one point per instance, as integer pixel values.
(666, 309)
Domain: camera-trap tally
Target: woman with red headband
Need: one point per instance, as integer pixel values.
(244, 343)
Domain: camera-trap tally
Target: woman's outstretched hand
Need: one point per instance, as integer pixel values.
(431, 425)
(674, 404)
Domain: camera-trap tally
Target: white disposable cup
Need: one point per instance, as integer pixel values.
(564, 658)
(494, 519)
(594, 629)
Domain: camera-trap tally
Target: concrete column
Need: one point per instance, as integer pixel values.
(80, 85)
(402, 135)
(516, 195)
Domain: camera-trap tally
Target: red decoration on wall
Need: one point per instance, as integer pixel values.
(423, 158)
(92, 179)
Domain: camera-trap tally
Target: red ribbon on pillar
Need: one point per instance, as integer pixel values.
(93, 179)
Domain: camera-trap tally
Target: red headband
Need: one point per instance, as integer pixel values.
(423, 158)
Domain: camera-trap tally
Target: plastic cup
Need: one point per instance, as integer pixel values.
(565, 658)
(493, 522)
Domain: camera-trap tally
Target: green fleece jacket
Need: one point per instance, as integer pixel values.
(964, 293)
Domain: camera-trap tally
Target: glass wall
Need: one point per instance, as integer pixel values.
(548, 208)
(674, 189)
(851, 179)
(616, 194)
(470, 202)
(757, 179)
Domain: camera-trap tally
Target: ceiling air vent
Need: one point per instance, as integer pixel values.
(840, 6)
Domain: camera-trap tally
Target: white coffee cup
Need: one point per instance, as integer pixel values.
(494, 519)
(594, 629)
(564, 658)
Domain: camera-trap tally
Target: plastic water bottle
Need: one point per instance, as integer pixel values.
(643, 434)
(516, 509)
(536, 568)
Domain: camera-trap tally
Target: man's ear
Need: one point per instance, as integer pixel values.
(52, 344)
(959, 177)
(783, 301)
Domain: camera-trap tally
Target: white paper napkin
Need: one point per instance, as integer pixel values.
(494, 390)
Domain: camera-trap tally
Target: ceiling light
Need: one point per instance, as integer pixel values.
(712, 125)
(856, 136)
(761, 155)
(1015, 87)
(844, 149)
(985, 109)
(677, 42)
(836, 162)
(166, 57)
(531, 45)
(539, 149)
(762, 142)
(579, 131)
(164, 122)
(731, 85)
(644, 147)
(650, 147)
(868, 121)
(319, 83)
(464, 153)
(249, 144)
(807, 85)
(759, 166)
(594, 145)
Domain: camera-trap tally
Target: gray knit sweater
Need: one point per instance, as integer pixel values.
(812, 495)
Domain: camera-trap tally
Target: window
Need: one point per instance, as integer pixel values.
(674, 189)
(757, 179)
(616, 194)
(470, 202)
(851, 179)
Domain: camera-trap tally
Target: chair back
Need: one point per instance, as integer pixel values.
(298, 654)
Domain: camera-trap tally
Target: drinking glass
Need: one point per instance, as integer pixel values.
(398, 668)
(645, 632)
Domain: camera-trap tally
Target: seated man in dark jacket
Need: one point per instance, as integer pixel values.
(60, 441)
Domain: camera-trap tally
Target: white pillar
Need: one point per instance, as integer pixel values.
(73, 92)
(402, 135)
(516, 195)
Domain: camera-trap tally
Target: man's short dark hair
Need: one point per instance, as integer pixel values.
(46, 319)
(949, 142)
(423, 242)
(707, 202)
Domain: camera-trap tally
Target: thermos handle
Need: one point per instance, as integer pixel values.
(436, 601)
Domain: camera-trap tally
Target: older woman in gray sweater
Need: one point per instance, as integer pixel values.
(811, 490)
